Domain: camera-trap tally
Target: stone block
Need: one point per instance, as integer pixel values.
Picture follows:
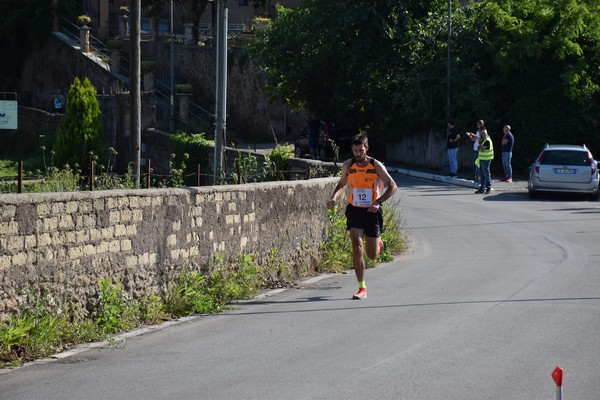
(8, 211)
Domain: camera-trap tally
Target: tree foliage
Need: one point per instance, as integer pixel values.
(80, 132)
(383, 63)
(541, 62)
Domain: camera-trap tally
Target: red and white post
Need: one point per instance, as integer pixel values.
(557, 375)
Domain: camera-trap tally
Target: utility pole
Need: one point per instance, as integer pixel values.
(172, 83)
(135, 103)
(448, 68)
(221, 88)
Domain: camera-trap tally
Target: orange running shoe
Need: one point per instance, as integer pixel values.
(361, 294)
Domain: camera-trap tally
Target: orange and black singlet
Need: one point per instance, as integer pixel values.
(365, 185)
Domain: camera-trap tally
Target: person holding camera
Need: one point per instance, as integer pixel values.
(484, 159)
(475, 139)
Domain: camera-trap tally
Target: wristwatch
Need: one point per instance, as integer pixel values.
(378, 201)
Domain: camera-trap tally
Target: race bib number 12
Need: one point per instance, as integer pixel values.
(362, 197)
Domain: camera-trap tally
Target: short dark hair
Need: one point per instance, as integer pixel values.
(359, 139)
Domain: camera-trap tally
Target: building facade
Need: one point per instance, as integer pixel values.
(106, 14)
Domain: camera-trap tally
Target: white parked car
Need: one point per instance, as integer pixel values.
(564, 168)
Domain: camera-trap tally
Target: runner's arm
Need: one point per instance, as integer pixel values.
(340, 186)
(387, 180)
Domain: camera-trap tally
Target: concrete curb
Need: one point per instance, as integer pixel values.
(433, 177)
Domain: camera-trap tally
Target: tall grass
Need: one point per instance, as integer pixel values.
(40, 331)
(336, 249)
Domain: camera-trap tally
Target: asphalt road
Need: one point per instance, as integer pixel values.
(493, 294)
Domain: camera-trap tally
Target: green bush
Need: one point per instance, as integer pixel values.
(277, 161)
(191, 294)
(197, 148)
(246, 169)
(117, 311)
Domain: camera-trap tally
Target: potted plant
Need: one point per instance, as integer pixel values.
(147, 66)
(259, 23)
(84, 20)
(115, 44)
(84, 33)
(184, 88)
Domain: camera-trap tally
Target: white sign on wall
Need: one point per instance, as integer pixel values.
(8, 114)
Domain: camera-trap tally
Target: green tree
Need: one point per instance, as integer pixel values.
(376, 64)
(80, 132)
(534, 64)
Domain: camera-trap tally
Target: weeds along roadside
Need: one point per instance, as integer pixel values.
(41, 330)
(336, 249)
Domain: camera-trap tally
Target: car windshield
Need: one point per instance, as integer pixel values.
(565, 157)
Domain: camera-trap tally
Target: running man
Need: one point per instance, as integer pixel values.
(364, 217)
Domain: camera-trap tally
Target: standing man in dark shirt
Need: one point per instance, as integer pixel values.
(508, 141)
(314, 133)
(452, 146)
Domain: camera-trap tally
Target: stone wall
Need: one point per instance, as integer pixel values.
(428, 151)
(58, 245)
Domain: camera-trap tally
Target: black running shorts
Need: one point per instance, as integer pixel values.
(358, 217)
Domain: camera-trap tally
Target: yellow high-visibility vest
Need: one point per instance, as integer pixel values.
(487, 154)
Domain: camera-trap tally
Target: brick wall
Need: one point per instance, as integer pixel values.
(60, 244)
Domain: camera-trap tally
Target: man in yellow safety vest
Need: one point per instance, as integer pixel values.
(484, 159)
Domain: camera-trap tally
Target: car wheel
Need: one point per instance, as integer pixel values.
(594, 197)
(532, 194)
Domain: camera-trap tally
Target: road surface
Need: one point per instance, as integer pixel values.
(494, 292)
